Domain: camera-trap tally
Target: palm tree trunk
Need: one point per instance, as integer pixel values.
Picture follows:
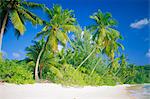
(95, 66)
(40, 72)
(86, 58)
(38, 60)
(2, 30)
(41, 68)
(71, 43)
(37, 64)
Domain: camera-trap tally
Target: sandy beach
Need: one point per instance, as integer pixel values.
(55, 91)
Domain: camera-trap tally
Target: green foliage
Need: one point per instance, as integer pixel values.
(94, 80)
(143, 74)
(18, 13)
(127, 75)
(110, 80)
(105, 36)
(70, 77)
(61, 22)
(13, 72)
(92, 59)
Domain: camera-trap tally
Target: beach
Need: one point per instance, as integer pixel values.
(56, 91)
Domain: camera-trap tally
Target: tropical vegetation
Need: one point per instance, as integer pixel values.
(92, 55)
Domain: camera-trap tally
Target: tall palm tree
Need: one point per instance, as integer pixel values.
(33, 51)
(112, 46)
(61, 22)
(47, 59)
(16, 11)
(104, 35)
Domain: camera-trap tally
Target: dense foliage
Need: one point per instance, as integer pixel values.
(92, 56)
(14, 72)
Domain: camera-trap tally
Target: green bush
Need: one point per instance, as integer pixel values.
(110, 80)
(13, 72)
(142, 74)
(93, 80)
(70, 76)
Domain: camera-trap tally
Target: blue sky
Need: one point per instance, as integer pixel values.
(132, 16)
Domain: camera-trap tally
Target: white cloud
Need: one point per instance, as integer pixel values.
(148, 53)
(16, 55)
(139, 24)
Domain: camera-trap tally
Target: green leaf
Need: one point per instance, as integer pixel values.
(71, 28)
(27, 16)
(52, 41)
(120, 45)
(35, 17)
(17, 22)
(62, 37)
(33, 5)
(56, 71)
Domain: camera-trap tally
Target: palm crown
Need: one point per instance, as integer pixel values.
(61, 22)
(17, 12)
(104, 34)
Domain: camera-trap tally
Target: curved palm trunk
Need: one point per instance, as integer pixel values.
(71, 43)
(41, 73)
(41, 68)
(37, 64)
(95, 67)
(38, 60)
(2, 30)
(86, 58)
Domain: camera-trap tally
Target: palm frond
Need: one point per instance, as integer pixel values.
(92, 28)
(120, 45)
(71, 28)
(57, 9)
(112, 22)
(49, 12)
(108, 16)
(62, 37)
(52, 41)
(43, 33)
(17, 22)
(37, 19)
(33, 5)
(56, 71)
(27, 16)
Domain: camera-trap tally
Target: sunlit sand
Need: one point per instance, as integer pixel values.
(54, 91)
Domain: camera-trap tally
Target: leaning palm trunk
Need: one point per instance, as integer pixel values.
(38, 60)
(71, 43)
(37, 63)
(86, 58)
(95, 66)
(2, 30)
(41, 67)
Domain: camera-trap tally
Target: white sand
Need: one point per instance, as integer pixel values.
(54, 91)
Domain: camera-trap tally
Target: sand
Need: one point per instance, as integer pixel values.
(55, 91)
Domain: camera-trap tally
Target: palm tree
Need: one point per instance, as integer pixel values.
(112, 46)
(103, 34)
(61, 22)
(47, 59)
(123, 65)
(16, 11)
(33, 51)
